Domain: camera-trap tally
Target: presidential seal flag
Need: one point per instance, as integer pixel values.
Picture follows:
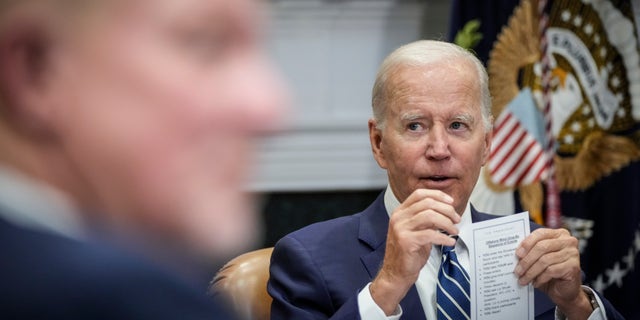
(592, 79)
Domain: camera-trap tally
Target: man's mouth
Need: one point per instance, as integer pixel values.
(437, 178)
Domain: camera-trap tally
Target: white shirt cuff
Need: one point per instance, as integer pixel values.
(370, 310)
(598, 314)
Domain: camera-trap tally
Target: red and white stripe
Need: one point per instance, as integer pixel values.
(516, 157)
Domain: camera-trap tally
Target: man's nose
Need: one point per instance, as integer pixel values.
(269, 97)
(437, 144)
(257, 94)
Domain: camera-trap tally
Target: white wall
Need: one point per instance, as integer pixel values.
(329, 52)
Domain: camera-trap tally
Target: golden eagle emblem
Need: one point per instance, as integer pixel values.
(595, 98)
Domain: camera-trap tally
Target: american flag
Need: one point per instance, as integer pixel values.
(517, 156)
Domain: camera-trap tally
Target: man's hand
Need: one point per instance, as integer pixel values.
(414, 226)
(550, 260)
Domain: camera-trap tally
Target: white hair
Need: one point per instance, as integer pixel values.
(421, 53)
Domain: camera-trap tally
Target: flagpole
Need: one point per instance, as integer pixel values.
(553, 212)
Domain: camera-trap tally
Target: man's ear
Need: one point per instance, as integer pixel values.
(25, 53)
(488, 138)
(375, 137)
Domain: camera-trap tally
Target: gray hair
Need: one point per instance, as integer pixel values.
(421, 53)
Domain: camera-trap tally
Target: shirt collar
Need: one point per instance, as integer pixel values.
(30, 203)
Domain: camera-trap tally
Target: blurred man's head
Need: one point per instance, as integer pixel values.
(143, 111)
(432, 120)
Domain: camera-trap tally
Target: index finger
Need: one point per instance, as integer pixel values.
(424, 199)
(436, 194)
(536, 236)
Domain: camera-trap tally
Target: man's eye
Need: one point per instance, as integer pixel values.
(414, 126)
(203, 43)
(457, 125)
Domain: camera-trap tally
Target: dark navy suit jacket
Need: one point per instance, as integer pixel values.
(318, 271)
(47, 276)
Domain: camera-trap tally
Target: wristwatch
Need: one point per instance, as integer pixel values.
(592, 299)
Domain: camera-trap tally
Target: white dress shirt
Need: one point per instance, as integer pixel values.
(427, 279)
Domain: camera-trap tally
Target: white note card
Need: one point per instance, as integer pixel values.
(495, 292)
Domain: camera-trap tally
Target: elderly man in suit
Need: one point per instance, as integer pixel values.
(126, 134)
(431, 131)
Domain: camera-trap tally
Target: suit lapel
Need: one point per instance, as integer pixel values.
(374, 223)
(477, 216)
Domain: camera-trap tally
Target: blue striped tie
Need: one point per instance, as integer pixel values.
(452, 294)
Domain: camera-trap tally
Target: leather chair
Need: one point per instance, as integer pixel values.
(243, 282)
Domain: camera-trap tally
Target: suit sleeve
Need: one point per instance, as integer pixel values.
(612, 313)
(298, 289)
